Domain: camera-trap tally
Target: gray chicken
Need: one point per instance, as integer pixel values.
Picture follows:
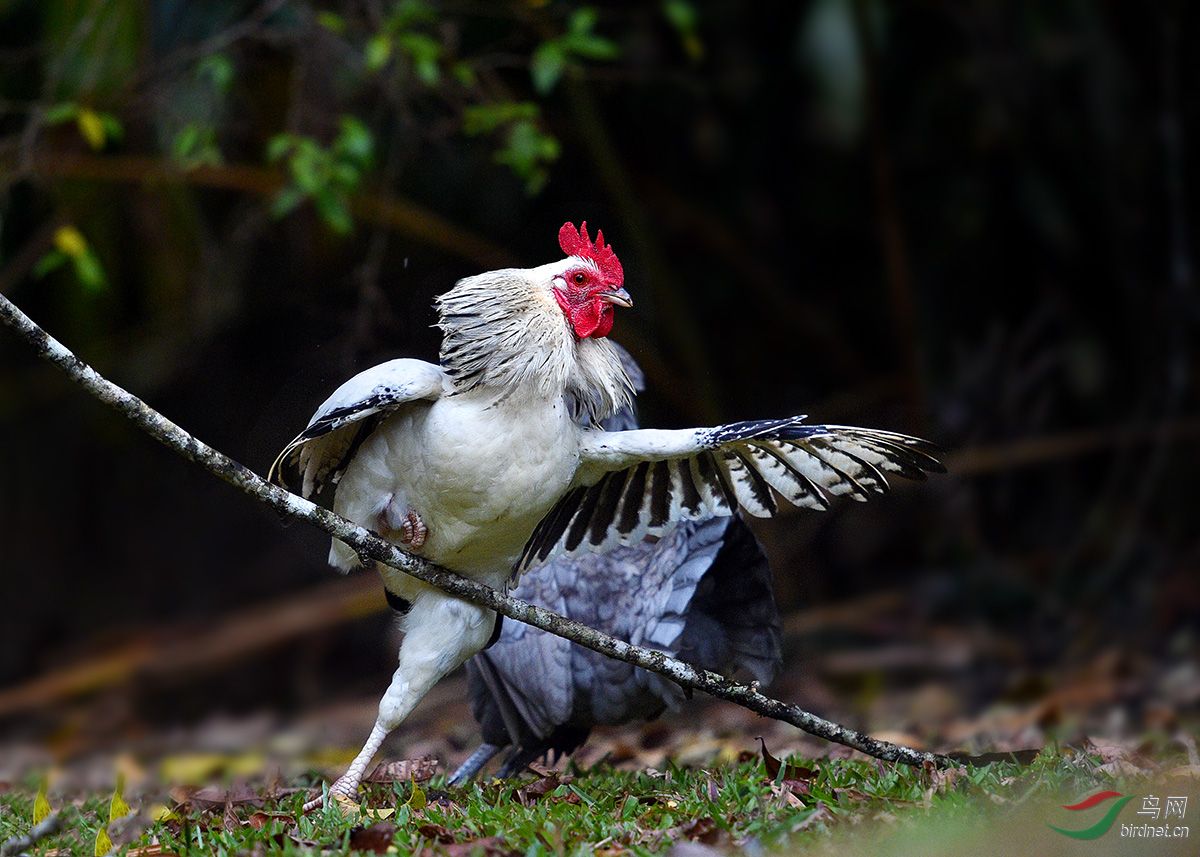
(701, 593)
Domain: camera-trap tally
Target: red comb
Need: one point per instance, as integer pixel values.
(575, 242)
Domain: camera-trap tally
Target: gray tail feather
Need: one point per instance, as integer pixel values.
(737, 596)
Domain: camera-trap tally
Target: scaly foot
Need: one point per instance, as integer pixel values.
(344, 790)
(413, 531)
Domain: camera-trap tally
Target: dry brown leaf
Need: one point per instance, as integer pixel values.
(260, 819)
(790, 772)
(438, 833)
(376, 838)
(213, 797)
(540, 787)
(404, 770)
(703, 829)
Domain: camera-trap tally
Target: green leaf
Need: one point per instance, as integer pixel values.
(185, 141)
(681, 15)
(464, 73)
(334, 211)
(409, 12)
(285, 201)
(378, 51)
(218, 70)
(331, 21)
(582, 21)
(278, 146)
(425, 53)
(354, 141)
(112, 126)
(485, 118)
(90, 272)
(308, 167)
(52, 261)
(590, 46)
(60, 113)
(546, 66)
(417, 799)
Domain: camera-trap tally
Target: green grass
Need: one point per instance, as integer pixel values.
(606, 809)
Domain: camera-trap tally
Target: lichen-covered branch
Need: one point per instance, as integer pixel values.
(370, 545)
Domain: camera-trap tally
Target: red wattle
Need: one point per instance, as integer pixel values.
(590, 317)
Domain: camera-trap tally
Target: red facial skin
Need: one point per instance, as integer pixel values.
(587, 314)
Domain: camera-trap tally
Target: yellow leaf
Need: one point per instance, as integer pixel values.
(41, 806)
(191, 769)
(348, 807)
(103, 843)
(91, 126)
(117, 807)
(245, 764)
(162, 812)
(381, 814)
(69, 240)
(417, 799)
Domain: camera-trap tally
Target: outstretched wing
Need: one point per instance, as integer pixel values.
(321, 452)
(632, 484)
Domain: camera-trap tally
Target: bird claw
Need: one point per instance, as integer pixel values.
(413, 531)
(342, 794)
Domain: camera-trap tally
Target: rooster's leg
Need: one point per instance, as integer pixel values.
(440, 633)
(400, 518)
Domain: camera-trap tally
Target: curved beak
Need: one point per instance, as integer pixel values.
(620, 297)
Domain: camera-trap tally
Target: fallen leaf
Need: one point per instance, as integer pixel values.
(377, 838)
(540, 787)
(437, 832)
(790, 772)
(703, 829)
(491, 846)
(213, 797)
(404, 770)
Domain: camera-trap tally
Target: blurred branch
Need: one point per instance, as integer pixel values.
(47, 827)
(163, 654)
(396, 213)
(979, 460)
(369, 545)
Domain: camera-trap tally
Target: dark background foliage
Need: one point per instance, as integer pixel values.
(970, 221)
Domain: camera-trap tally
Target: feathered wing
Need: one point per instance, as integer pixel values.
(321, 452)
(632, 484)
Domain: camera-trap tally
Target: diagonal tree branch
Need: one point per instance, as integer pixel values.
(370, 545)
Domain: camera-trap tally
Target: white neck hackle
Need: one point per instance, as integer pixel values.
(504, 333)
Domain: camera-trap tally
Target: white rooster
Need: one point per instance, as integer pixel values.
(493, 460)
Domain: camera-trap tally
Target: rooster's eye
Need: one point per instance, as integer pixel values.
(579, 278)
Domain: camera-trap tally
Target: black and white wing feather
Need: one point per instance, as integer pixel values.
(631, 484)
(321, 452)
